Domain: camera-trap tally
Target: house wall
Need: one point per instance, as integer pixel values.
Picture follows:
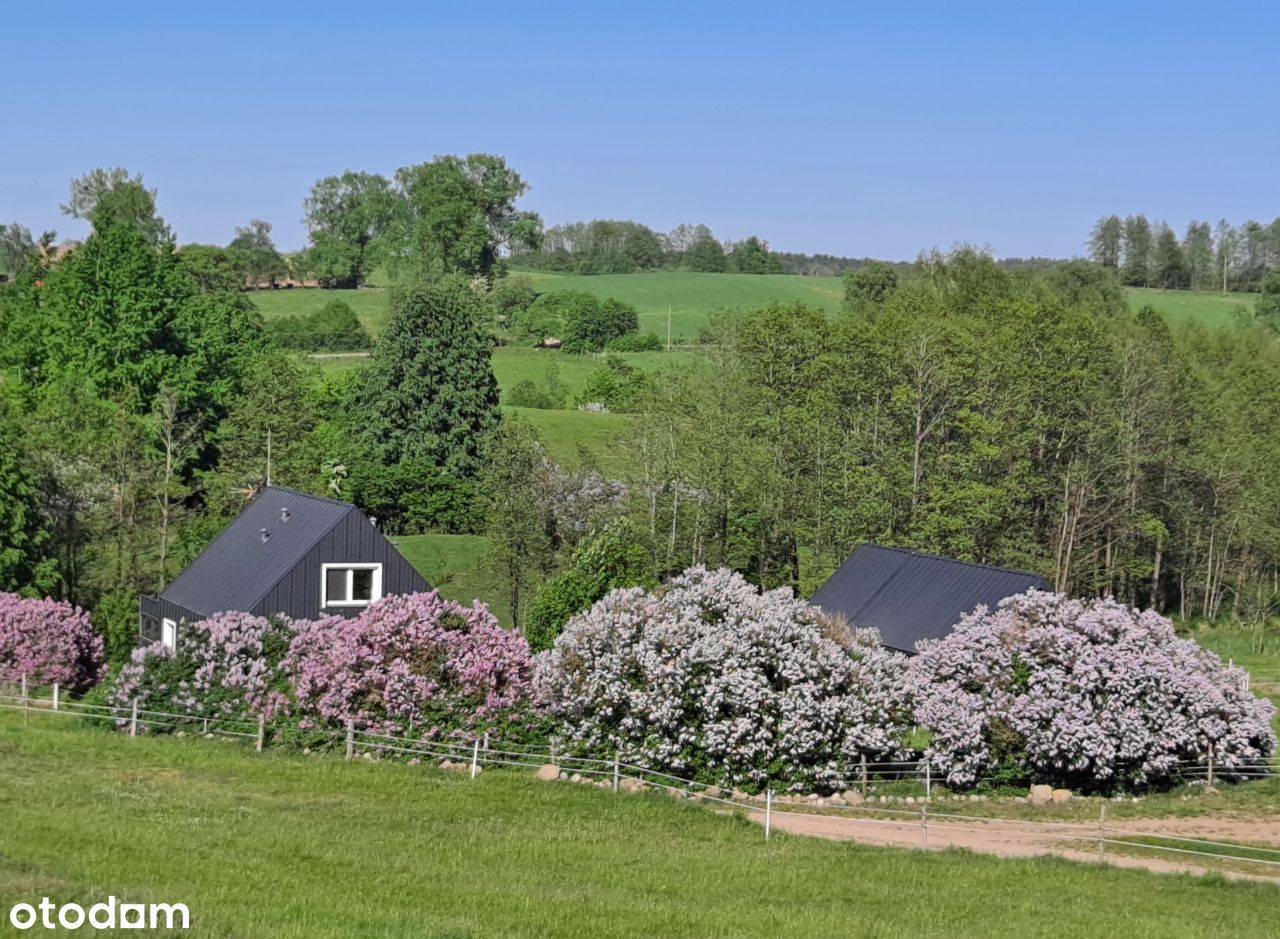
(354, 540)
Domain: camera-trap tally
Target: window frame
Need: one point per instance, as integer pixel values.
(168, 634)
(375, 594)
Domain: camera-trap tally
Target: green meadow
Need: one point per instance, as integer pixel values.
(280, 844)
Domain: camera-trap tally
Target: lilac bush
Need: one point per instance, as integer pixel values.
(230, 665)
(1080, 693)
(714, 680)
(416, 665)
(48, 641)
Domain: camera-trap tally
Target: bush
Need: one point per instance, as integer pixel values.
(527, 394)
(617, 385)
(333, 328)
(713, 680)
(634, 342)
(590, 328)
(230, 665)
(415, 496)
(616, 556)
(415, 665)
(48, 641)
(1080, 693)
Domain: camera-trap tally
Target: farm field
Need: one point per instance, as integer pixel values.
(281, 844)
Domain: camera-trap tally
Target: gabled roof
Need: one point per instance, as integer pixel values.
(909, 596)
(238, 568)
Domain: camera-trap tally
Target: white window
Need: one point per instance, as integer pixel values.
(350, 584)
(169, 635)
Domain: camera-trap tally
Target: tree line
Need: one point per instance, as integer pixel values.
(1219, 257)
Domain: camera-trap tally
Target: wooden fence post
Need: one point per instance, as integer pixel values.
(475, 757)
(928, 781)
(351, 738)
(768, 812)
(262, 730)
(1210, 761)
(55, 699)
(26, 706)
(862, 766)
(133, 719)
(1102, 830)
(615, 772)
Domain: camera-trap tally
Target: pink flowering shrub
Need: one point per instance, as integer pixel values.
(1081, 693)
(415, 665)
(230, 665)
(48, 641)
(711, 679)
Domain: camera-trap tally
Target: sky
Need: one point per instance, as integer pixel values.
(860, 130)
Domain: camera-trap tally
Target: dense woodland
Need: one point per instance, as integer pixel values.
(1016, 414)
(1220, 257)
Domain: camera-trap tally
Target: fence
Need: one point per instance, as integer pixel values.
(617, 774)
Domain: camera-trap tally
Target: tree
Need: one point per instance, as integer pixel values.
(752, 256)
(705, 254)
(1268, 306)
(1137, 251)
(460, 214)
(27, 565)
(348, 217)
(1197, 249)
(617, 555)
(104, 195)
(591, 327)
(1106, 241)
(1226, 243)
(516, 464)
(429, 390)
(1170, 265)
(212, 268)
(254, 254)
(16, 248)
(869, 285)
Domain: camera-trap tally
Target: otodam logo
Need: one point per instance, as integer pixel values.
(112, 913)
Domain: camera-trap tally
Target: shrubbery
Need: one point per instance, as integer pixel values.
(1087, 694)
(333, 328)
(617, 385)
(414, 665)
(582, 321)
(714, 680)
(230, 665)
(48, 641)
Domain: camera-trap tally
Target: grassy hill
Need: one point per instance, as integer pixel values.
(284, 845)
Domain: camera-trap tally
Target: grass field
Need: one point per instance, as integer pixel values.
(371, 306)
(692, 298)
(1205, 307)
(458, 566)
(282, 845)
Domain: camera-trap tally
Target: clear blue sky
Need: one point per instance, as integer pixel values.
(875, 131)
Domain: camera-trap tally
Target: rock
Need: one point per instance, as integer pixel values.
(837, 802)
(813, 797)
(368, 755)
(414, 761)
(973, 798)
(547, 772)
(852, 797)
(1062, 795)
(1207, 790)
(711, 792)
(576, 777)
(306, 751)
(911, 800)
(630, 785)
(564, 777)
(1041, 795)
(445, 764)
(739, 796)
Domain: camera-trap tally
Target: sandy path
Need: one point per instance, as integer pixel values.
(1008, 838)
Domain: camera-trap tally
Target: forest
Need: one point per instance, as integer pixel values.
(1015, 413)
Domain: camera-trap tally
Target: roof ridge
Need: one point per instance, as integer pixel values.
(941, 557)
(305, 495)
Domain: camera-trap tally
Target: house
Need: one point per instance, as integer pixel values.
(288, 552)
(909, 596)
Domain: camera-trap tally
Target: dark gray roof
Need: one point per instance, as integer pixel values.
(238, 568)
(910, 596)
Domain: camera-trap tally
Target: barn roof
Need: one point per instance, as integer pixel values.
(909, 596)
(239, 567)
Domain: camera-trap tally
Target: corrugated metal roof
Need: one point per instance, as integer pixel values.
(238, 568)
(909, 596)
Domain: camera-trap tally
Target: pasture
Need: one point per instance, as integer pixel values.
(281, 844)
(1206, 307)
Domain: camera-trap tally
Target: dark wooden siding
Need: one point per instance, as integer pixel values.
(354, 540)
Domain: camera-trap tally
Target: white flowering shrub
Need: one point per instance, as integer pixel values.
(1080, 693)
(713, 680)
